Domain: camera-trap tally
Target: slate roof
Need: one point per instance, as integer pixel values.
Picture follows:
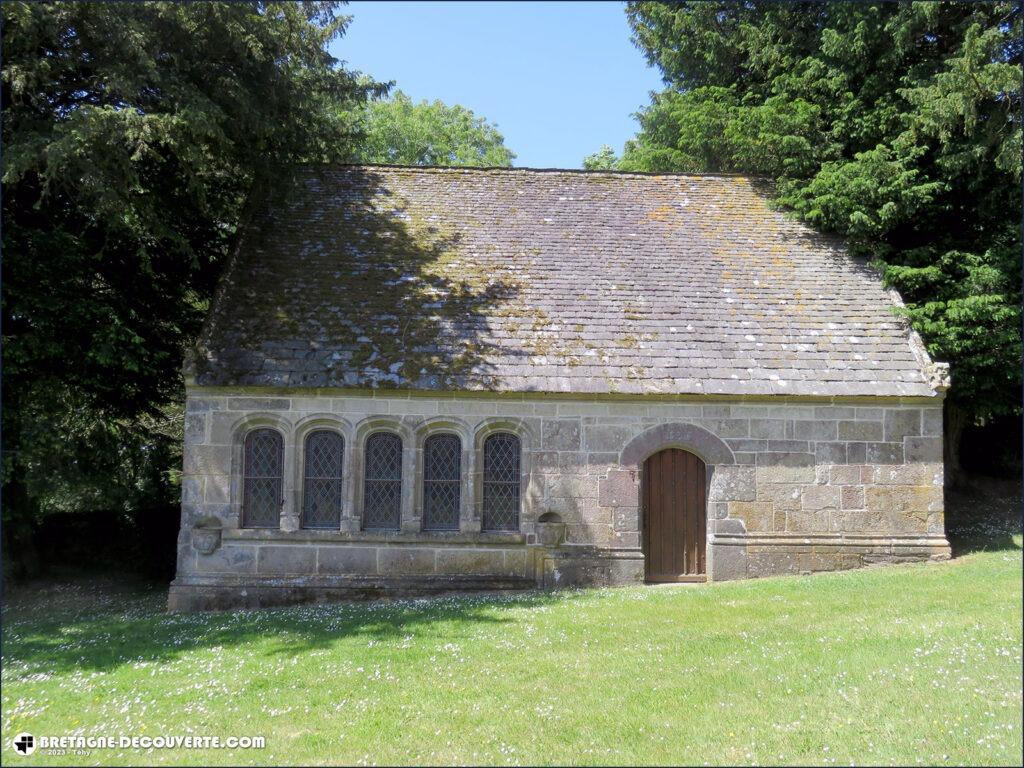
(553, 281)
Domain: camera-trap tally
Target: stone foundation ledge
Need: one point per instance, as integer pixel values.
(739, 556)
(326, 559)
(198, 594)
(583, 566)
(830, 539)
(274, 536)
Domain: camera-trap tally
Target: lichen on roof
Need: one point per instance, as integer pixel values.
(519, 280)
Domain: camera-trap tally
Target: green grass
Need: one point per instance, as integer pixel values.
(905, 664)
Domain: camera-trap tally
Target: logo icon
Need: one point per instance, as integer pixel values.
(24, 744)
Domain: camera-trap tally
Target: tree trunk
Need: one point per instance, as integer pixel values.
(19, 546)
(955, 420)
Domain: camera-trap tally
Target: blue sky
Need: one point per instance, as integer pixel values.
(559, 78)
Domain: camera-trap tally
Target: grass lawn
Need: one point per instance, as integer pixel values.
(906, 664)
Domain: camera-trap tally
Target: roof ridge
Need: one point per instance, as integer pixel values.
(528, 169)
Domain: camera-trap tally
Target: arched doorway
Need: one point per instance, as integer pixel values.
(674, 498)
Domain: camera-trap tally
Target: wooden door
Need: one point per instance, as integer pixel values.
(674, 495)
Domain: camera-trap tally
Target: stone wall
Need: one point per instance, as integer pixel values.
(794, 486)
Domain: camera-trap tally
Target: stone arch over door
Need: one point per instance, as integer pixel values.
(621, 488)
(689, 437)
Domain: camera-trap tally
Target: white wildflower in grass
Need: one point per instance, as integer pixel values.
(898, 665)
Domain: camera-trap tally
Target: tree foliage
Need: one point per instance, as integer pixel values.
(896, 125)
(604, 159)
(401, 132)
(133, 135)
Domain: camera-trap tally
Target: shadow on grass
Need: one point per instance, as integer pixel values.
(102, 623)
(91, 625)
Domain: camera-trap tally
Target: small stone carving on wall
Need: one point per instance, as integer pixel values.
(206, 535)
(550, 530)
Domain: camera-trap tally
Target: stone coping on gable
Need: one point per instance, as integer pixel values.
(199, 390)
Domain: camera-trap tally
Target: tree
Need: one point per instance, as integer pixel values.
(400, 132)
(895, 125)
(602, 160)
(133, 136)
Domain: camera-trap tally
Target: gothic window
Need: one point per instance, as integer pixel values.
(442, 463)
(321, 487)
(382, 482)
(261, 479)
(501, 482)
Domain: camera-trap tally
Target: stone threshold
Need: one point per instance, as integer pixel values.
(443, 538)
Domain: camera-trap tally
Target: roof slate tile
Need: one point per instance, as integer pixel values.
(557, 281)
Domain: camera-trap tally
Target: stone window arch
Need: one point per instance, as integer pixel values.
(456, 427)
(304, 427)
(322, 477)
(442, 482)
(382, 481)
(524, 430)
(502, 482)
(262, 478)
(355, 520)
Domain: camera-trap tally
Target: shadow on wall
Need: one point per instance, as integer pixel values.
(347, 281)
(43, 623)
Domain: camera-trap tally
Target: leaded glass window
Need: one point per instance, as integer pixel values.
(261, 479)
(321, 487)
(382, 482)
(501, 482)
(442, 463)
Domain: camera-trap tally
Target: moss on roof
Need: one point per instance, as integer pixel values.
(524, 280)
